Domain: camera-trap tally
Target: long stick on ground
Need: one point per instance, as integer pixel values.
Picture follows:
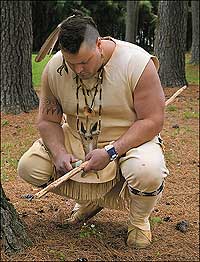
(172, 98)
(60, 180)
(76, 170)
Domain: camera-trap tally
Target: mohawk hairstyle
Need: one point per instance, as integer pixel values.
(75, 30)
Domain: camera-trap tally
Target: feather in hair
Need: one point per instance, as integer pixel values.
(48, 45)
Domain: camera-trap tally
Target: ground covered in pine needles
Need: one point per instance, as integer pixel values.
(103, 237)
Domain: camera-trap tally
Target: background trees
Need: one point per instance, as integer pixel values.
(17, 93)
(146, 24)
(136, 22)
(13, 230)
(109, 15)
(195, 32)
(115, 18)
(132, 8)
(170, 43)
(45, 17)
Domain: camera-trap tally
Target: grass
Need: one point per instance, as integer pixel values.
(4, 177)
(7, 157)
(192, 71)
(5, 122)
(7, 146)
(188, 129)
(171, 108)
(170, 156)
(155, 221)
(37, 68)
(60, 255)
(88, 231)
(191, 114)
(8, 167)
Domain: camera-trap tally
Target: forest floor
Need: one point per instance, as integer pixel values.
(180, 201)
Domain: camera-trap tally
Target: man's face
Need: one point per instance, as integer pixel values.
(86, 62)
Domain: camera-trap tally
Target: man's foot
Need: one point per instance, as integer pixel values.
(138, 238)
(82, 214)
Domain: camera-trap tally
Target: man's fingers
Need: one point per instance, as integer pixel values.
(88, 156)
(74, 159)
(87, 167)
(60, 172)
(68, 167)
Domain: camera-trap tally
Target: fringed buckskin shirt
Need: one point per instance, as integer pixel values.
(120, 77)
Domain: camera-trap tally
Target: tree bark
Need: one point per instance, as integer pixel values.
(132, 8)
(195, 32)
(13, 230)
(17, 93)
(170, 42)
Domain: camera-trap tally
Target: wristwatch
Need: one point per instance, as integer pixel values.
(111, 152)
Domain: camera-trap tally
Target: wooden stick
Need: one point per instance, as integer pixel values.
(73, 172)
(60, 180)
(172, 98)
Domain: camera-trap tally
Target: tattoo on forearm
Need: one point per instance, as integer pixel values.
(51, 106)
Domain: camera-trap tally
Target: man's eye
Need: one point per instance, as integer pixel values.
(83, 63)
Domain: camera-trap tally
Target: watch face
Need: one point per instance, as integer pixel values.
(111, 152)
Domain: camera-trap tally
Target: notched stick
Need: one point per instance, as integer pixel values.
(60, 180)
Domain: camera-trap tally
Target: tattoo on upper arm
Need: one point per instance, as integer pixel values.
(51, 106)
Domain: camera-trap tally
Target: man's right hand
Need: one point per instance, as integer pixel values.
(63, 162)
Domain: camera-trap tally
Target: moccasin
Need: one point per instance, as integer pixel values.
(83, 214)
(138, 238)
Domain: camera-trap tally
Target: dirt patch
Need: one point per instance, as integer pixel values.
(180, 199)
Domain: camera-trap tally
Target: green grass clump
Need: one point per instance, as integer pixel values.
(171, 108)
(155, 220)
(4, 177)
(88, 231)
(5, 122)
(37, 69)
(192, 71)
(191, 114)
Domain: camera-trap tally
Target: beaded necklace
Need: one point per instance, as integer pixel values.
(90, 132)
(88, 110)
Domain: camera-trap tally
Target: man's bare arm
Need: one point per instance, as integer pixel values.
(149, 104)
(49, 125)
(49, 118)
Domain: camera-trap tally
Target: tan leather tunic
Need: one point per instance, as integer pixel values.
(120, 78)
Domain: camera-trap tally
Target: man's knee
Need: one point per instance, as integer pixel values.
(143, 175)
(34, 170)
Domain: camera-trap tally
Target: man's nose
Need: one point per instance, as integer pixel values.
(78, 69)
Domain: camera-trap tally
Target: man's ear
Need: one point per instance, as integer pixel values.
(98, 43)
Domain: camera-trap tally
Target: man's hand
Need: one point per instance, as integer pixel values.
(63, 162)
(98, 160)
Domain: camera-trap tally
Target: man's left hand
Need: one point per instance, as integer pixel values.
(98, 160)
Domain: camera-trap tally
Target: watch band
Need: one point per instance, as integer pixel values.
(111, 152)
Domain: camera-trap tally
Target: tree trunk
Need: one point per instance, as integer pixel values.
(17, 93)
(170, 42)
(13, 230)
(195, 32)
(45, 18)
(132, 8)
